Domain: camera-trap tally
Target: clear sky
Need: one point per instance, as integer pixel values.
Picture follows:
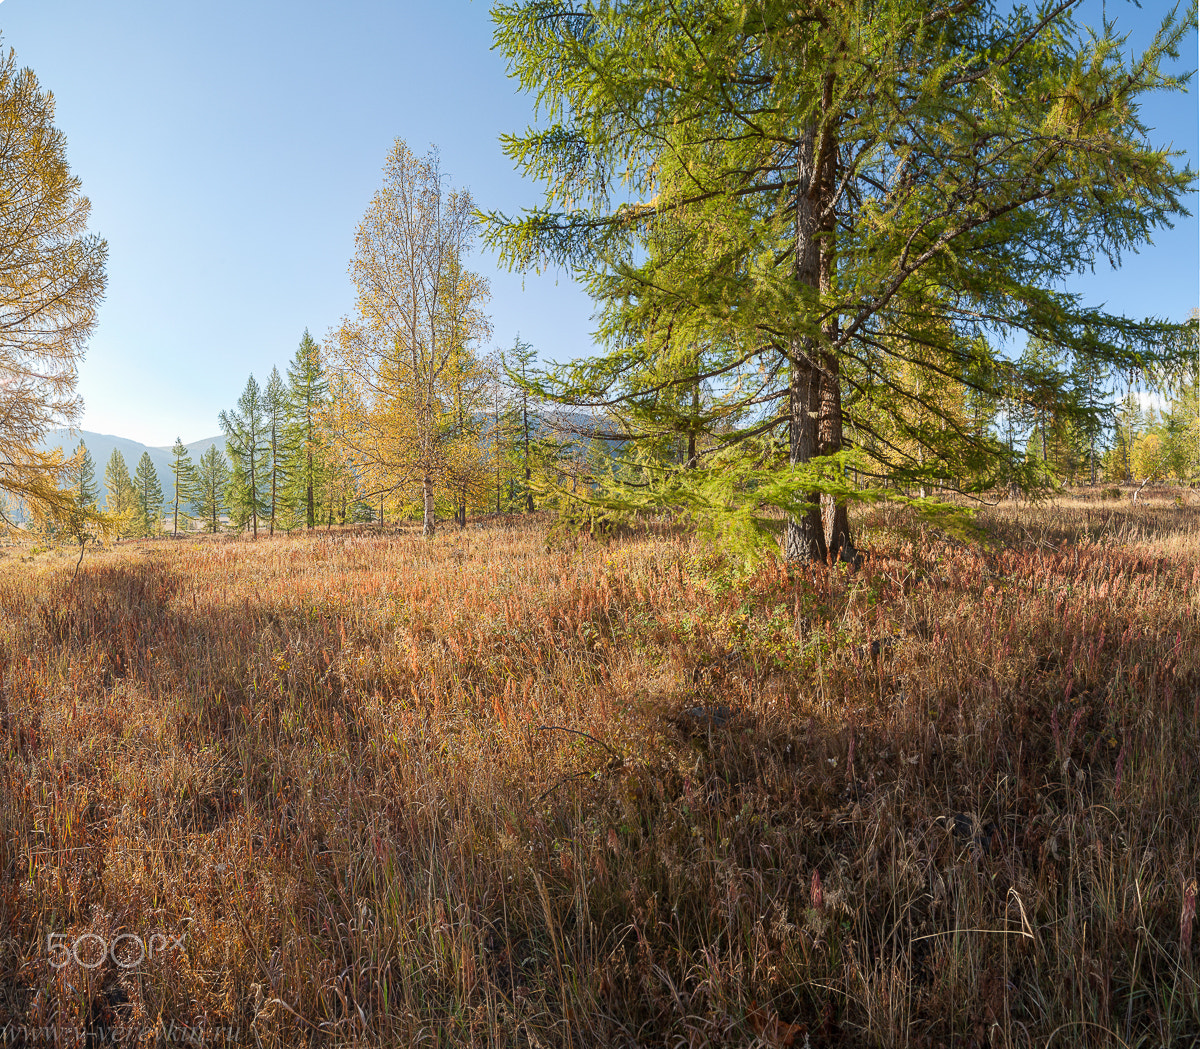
(230, 148)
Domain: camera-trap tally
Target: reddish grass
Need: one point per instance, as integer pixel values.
(399, 792)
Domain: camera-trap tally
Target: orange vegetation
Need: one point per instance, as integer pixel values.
(505, 789)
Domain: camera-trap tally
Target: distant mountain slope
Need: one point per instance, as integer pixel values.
(101, 446)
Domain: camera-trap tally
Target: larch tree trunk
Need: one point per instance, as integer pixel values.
(835, 517)
(805, 538)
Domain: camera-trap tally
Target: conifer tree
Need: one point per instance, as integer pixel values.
(148, 496)
(518, 363)
(183, 471)
(275, 407)
(120, 501)
(247, 434)
(212, 481)
(82, 477)
(799, 187)
(1129, 423)
(52, 279)
(1089, 382)
(308, 395)
(501, 432)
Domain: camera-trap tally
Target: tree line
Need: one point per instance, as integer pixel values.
(286, 465)
(830, 245)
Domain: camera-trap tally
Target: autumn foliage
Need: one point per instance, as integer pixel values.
(499, 786)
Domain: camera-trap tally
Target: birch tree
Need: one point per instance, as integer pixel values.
(418, 309)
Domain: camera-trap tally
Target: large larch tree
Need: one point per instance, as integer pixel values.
(806, 207)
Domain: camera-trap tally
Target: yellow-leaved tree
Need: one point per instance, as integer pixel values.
(412, 343)
(51, 281)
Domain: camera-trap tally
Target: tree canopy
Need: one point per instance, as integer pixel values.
(819, 218)
(52, 278)
(419, 311)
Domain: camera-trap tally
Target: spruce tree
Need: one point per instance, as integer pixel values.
(148, 496)
(518, 365)
(785, 193)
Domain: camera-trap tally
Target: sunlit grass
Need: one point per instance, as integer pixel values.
(401, 792)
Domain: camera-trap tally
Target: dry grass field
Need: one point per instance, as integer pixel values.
(511, 789)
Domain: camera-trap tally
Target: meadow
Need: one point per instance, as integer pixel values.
(512, 787)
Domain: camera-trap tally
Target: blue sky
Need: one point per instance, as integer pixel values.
(230, 148)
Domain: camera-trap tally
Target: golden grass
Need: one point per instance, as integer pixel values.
(405, 793)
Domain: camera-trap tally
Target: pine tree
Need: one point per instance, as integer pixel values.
(501, 432)
(1129, 424)
(247, 433)
(800, 187)
(148, 496)
(212, 481)
(183, 471)
(82, 477)
(308, 395)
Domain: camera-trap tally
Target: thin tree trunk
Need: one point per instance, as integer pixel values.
(528, 471)
(253, 494)
(691, 443)
(311, 517)
(835, 515)
(427, 491)
(274, 474)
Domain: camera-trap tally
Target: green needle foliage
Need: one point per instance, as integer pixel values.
(119, 487)
(811, 227)
(148, 495)
(183, 472)
(212, 480)
(308, 394)
(82, 477)
(247, 433)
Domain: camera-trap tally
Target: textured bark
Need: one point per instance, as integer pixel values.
(805, 540)
(835, 518)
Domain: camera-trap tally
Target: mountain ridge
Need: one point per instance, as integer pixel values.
(101, 445)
